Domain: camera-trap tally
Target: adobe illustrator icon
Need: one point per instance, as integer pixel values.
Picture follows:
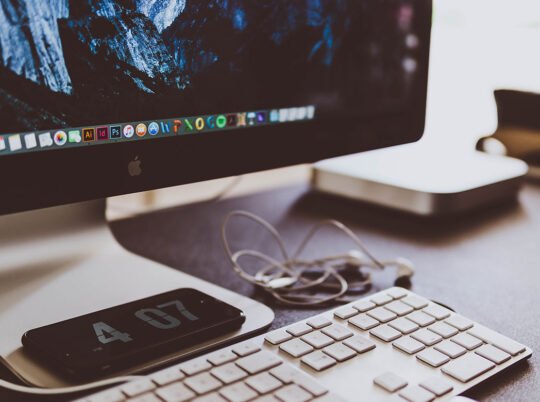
(89, 135)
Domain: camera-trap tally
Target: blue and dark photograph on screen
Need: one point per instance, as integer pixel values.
(75, 62)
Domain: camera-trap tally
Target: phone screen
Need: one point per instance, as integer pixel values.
(120, 337)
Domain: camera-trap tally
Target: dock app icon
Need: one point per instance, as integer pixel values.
(102, 133)
(89, 135)
(116, 132)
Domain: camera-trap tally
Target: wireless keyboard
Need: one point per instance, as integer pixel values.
(390, 346)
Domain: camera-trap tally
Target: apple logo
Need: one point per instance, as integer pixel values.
(134, 167)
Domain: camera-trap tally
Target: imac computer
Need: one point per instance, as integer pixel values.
(106, 97)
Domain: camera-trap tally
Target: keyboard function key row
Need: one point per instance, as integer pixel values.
(399, 308)
(381, 299)
(381, 314)
(420, 318)
(346, 312)
(436, 311)
(404, 325)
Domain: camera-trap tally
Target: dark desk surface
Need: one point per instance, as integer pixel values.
(485, 264)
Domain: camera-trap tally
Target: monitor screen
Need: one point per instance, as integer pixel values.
(199, 89)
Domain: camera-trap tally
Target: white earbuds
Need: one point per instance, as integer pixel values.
(290, 280)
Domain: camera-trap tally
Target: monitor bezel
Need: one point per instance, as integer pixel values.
(57, 177)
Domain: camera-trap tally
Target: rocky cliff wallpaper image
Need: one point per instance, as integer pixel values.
(75, 62)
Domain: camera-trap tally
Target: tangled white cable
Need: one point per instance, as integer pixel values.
(289, 280)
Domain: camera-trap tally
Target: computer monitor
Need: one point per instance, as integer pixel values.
(107, 97)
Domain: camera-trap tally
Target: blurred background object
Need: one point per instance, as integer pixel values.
(518, 131)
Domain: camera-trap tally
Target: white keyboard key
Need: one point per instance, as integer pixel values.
(417, 394)
(213, 397)
(381, 314)
(364, 322)
(360, 344)
(317, 339)
(339, 351)
(318, 360)
(432, 357)
(364, 305)
(492, 353)
(427, 337)
(436, 311)
(450, 349)
(409, 345)
(319, 322)
(337, 332)
(138, 387)
(246, 348)
(221, 357)
(277, 337)
(258, 362)
(296, 347)
(110, 395)
(444, 330)
(293, 393)
(285, 373)
(176, 392)
(404, 325)
(238, 392)
(396, 293)
(467, 341)
(345, 312)
(228, 373)
(420, 318)
(264, 383)
(501, 341)
(167, 376)
(386, 333)
(202, 383)
(437, 385)
(399, 308)
(468, 367)
(459, 322)
(299, 329)
(415, 302)
(381, 299)
(310, 385)
(195, 366)
(390, 382)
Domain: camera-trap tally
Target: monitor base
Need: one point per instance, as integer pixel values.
(63, 262)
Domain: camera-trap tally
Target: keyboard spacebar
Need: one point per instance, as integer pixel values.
(500, 341)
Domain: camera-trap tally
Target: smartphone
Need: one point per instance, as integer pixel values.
(122, 337)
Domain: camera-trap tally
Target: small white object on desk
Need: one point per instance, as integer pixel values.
(420, 179)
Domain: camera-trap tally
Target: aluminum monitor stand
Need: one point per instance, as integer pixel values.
(62, 262)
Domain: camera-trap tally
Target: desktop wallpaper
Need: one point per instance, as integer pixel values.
(75, 62)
